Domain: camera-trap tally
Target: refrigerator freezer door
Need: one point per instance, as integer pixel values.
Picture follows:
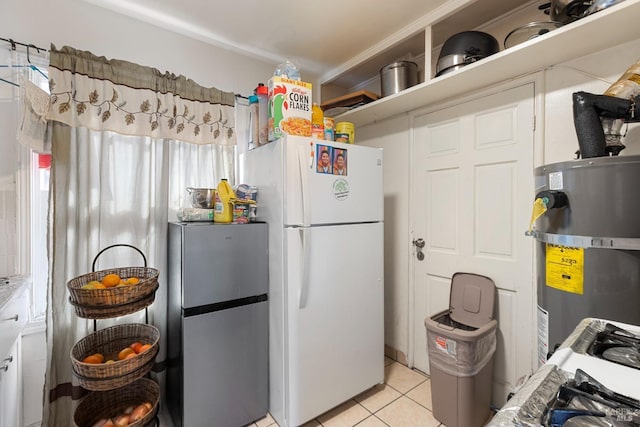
(335, 326)
(218, 262)
(314, 197)
(225, 365)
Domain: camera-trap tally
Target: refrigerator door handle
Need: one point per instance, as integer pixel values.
(305, 237)
(303, 161)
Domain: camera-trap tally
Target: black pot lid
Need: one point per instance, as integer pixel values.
(528, 32)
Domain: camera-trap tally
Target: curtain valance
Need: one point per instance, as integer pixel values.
(120, 96)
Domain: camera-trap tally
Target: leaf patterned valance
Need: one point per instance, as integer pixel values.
(100, 94)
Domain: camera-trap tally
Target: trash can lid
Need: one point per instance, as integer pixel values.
(472, 299)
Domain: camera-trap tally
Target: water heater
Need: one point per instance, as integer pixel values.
(588, 245)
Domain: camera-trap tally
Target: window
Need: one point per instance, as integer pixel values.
(24, 188)
(39, 189)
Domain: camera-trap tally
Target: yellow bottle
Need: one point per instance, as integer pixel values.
(223, 207)
(317, 122)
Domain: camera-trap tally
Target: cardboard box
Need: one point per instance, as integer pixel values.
(289, 108)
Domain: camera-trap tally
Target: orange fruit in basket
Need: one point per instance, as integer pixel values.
(93, 359)
(130, 355)
(92, 285)
(125, 352)
(145, 348)
(133, 281)
(111, 280)
(136, 346)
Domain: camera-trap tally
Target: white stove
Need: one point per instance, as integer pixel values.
(593, 379)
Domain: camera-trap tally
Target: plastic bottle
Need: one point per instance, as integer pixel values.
(317, 122)
(628, 85)
(223, 208)
(253, 122)
(287, 69)
(329, 128)
(263, 113)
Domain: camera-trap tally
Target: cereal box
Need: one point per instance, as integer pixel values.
(289, 108)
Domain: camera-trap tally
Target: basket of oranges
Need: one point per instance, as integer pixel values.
(115, 356)
(113, 292)
(133, 405)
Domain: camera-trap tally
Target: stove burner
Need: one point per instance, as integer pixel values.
(617, 345)
(583, 401)
(623, 355)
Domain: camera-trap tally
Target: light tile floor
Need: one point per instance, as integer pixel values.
(404, 400)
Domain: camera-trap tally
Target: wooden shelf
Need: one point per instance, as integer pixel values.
(607, 28)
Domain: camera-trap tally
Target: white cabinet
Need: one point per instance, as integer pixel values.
(11, 387)
(14, 313)
(13, 316)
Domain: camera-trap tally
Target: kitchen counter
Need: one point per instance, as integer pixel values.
(9, 287)
(14, 311)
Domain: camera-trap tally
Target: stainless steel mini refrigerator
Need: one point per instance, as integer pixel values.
(217, 324)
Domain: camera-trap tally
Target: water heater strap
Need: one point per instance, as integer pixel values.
(627, 243)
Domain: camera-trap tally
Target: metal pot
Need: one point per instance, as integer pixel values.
(202, 197)
(398, 76)
(598, 5)
(465, 48)
(565, 11)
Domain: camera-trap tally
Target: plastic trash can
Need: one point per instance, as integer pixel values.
(461, 342)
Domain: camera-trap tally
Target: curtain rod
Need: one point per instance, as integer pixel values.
(14, 43)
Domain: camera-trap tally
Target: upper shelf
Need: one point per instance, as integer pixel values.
(607, 28)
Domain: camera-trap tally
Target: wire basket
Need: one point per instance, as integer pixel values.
(110, 404)
(116, 301)
(109, 342)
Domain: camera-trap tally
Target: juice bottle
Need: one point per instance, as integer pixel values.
(223, 208)
(317, 122)
(263, 114)
(254, 126)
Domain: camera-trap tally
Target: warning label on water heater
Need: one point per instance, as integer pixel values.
(565, 268)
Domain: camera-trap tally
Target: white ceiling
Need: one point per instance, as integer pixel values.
(323, 38)
(318, 36)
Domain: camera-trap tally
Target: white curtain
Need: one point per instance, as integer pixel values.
(108, 188)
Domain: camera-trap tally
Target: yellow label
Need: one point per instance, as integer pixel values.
(565, 268)
(539, 208)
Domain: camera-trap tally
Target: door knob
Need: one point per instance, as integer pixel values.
(5, 365)
(419, 244)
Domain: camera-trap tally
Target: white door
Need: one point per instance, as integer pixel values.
(472, 197)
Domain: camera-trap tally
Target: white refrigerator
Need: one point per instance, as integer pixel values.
(326, 315)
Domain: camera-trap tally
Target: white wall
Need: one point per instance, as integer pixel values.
(393, 136)
(593, 73)
(105, 33)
